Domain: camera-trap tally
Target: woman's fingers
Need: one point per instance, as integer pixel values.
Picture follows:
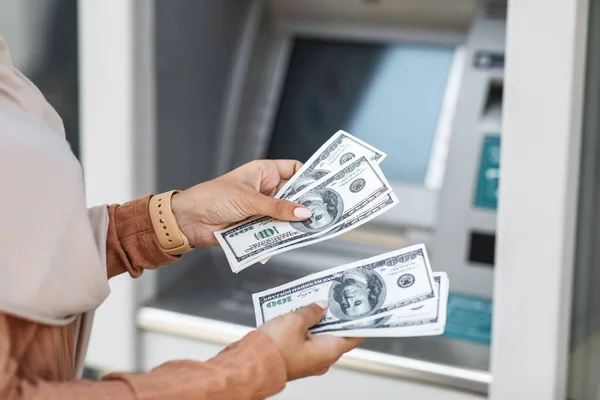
(333, 347)
(278, 208)
(287, 168)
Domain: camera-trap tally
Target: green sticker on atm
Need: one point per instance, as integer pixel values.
(469, 318)
(489, 172)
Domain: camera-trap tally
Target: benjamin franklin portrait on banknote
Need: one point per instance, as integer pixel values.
(357, 293)
(305, 180)
(326, 206)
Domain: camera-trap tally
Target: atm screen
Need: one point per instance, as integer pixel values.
(389, 95)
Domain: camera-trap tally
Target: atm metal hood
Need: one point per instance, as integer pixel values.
(443, 15)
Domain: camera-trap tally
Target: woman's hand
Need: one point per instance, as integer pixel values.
(244, 192)
(306, 354)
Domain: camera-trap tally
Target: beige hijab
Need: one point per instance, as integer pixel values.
(52, 248)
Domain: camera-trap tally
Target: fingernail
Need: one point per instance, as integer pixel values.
(323, 304)
(302, 212)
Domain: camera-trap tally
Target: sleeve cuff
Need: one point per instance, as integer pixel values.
(132, 245)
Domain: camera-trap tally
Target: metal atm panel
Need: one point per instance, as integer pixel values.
(466, 223)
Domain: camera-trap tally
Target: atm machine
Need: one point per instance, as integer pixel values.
(421, 80)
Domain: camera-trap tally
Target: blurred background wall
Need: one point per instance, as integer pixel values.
(42, 37)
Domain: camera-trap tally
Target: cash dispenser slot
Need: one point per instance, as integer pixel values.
(494, 96)
(482, 248)
(492, 108)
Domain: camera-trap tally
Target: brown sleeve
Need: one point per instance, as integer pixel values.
(252, 368)
(132, 245)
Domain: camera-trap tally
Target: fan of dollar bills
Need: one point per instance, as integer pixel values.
(393, 294)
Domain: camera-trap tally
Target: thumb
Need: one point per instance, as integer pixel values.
(312, 314)
(280, 209)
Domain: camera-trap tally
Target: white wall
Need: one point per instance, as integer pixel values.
(543, 98)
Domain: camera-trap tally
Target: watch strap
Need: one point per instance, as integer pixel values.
(169, 236)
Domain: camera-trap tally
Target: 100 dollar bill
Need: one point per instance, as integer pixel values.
(357, 292)
(341, 148)
(333, 200)
(427, 318)
(368, 213)
(338, 150)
